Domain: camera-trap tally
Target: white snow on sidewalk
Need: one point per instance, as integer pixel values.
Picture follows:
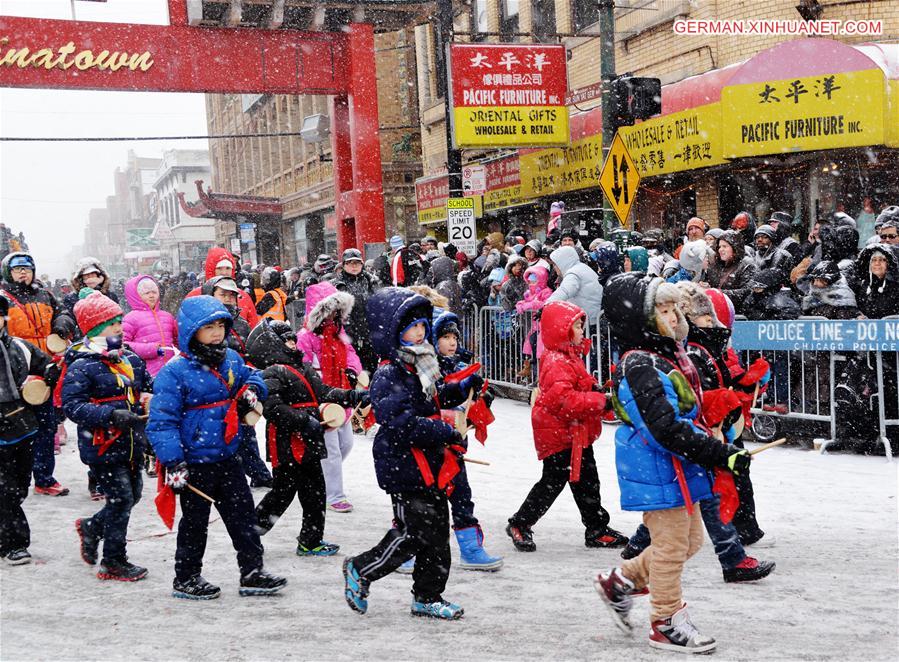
(833, 595)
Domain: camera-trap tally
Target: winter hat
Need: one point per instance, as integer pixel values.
(781, 217)
(557, 208)
(639, 258)
(224, 262)
(22, 260)
(767, 231)
(450, 327)
(741, 221)
(660, 293)
(696, 222)
(715, 232)
(351, 254)
(432, 255)
(450, 250)
(147, 284)
(695, 303)
(496, 275)
(724, 307)
(693, 254)
(95, 311)
(396, 241)
(496, 240)
(826, 270)
(890, 213)
(462, 260)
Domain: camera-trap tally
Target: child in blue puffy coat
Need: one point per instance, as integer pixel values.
(416, 454)
(198, 403)
(663, 455)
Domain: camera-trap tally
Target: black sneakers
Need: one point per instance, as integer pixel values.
(120, 570)
(195, 588)
(748, 570)
(608, 539)
(17, 557)
(522, 537)
(259, 582)
(89, 544)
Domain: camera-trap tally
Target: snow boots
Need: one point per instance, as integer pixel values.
(440, 609)
(89, 543)
(522, 537)
(120, 570)
(748, 570)
(677, 633)
(195, 588)
(616, 592)
(259, 582)
(474, 556)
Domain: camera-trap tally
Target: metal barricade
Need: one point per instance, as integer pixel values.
(501, 336)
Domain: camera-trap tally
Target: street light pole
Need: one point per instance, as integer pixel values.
(444, 39)
(607, 75)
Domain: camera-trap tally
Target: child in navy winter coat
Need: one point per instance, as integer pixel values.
(101, 393)
(199, 400)
(417, 455)
(294, 434)
(18, 427)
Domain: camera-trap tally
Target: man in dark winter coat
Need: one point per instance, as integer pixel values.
(782, 223)
(731, 269)
(296, 442)
(442, 277)
(768, 256)
(354, 279)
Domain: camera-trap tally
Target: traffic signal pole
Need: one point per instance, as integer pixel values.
(607, 74)
(444, 39)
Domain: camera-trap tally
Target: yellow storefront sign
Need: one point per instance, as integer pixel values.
(685, 140)
(503, 197)
(816, 112)
(563, 169)
(510, 126)
(892, 123)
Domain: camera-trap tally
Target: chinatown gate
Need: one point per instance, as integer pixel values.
(188, 56)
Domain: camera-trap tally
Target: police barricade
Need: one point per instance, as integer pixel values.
(838, 374)
(500, 338)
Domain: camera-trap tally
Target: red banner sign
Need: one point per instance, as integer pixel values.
(169, 58)
(508, 95)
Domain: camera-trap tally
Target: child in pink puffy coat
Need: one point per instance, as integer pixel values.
(149, 331)
(534, 299)
(327, 347)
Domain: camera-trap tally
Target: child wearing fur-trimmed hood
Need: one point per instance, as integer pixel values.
(328, 348)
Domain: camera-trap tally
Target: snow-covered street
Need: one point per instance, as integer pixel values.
(833, 595)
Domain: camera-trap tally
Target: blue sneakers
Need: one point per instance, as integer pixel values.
(356, 587)
(441, 609)
(322, 549)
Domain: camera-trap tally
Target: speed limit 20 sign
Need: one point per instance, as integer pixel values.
(460, 224)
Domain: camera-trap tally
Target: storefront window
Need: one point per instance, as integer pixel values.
(509, 23)
(762, 191)
(586, 12)
(478, 20)
(543, 19)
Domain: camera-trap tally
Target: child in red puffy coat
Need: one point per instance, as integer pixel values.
(566, 422)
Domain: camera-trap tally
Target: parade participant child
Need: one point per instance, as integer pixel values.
(101, 393)
(416, 455)
(707, 339)
(326, 346)
(199, 399)
(661, 454)
(18, 427)
(225, 290)
(294, 434)
(566, 420)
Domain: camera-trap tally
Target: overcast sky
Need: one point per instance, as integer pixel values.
(46, 189)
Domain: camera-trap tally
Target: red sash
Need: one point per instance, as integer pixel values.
(232, 422)
(105, 437)
(297, 444)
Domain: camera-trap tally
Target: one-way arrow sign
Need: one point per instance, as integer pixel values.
(619, 179)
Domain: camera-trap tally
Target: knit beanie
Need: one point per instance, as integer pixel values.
(693, 254)
(696, 222)
(95, 311)
(724, 308)
(396, 241)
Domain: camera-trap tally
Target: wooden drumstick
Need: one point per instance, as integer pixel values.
(783, 440)
(200, 493)
(471, 460)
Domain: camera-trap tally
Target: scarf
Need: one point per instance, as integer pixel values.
(208, 355)
(423, 358)
(334, 360)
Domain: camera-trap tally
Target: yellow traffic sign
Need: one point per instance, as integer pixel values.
(619, 179)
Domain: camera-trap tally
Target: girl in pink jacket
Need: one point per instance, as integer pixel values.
(534, 299)
(149, 331)
(327, 347)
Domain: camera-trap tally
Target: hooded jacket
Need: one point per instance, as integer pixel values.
(33, 311)
(567, 410)
(580, 284)
(732, 278)
(408, 418)
(244, 301)
(93, 388)
(534, 299)
(146, 330)
(836, 300)
(442, 277)
(294, 389)
(514, 287)
(658, 407)
(188, 409)
(877, 297)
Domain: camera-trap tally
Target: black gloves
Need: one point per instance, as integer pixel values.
(63, 326)
(473, 382)
(124, 419)
(176, 477)
(359, 399)
(313, 435)
(738, 462)
(352, 377)
(488, 398)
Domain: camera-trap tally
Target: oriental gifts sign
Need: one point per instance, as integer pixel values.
(508, 95)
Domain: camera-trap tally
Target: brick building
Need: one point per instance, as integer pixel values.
(709, 93)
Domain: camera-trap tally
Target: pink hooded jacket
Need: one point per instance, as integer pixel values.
(322, 301)
(145, 330)
(534, 299)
